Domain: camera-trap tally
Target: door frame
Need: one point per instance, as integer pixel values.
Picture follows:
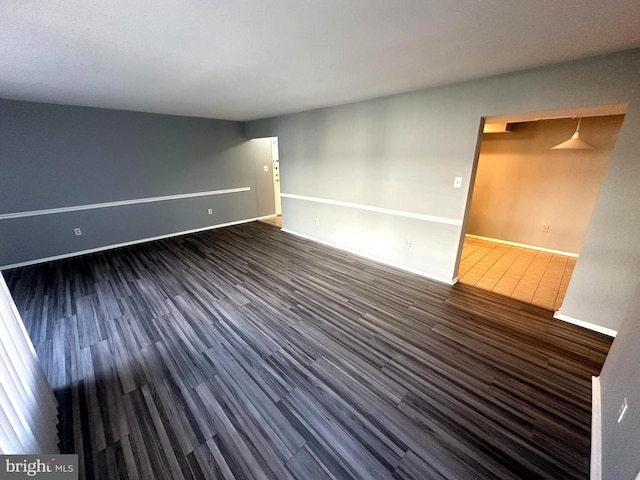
(593, 111)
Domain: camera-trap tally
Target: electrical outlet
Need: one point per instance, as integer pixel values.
(266, 168)
(317, 222)
(210, 211)
(623, 409)
(77, 231)
(545, 228)
(409, 244)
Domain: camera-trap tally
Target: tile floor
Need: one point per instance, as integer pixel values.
(532, 276)
(277, 221)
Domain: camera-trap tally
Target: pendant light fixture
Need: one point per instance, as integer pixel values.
(575, 142)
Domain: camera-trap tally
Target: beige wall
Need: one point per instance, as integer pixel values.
(522, 185)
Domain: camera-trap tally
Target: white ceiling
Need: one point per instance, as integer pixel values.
(247, 59)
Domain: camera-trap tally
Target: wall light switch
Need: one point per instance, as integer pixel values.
(623, 409)
(266, 168)
(457, 182)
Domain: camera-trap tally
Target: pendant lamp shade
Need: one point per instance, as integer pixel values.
(575, 142)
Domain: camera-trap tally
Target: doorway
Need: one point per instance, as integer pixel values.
(530, 205)
(275, 158)
(269, 153)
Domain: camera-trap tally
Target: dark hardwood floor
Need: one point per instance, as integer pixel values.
(249, 353)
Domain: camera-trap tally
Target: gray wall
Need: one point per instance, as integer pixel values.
(619, 379)
(403, 152)
(59, 156)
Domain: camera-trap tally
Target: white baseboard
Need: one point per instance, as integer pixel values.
(125, 244)
(596, 430)
(375, 259)
(523, 245)
(582, 323)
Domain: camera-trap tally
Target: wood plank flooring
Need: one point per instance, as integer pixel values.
(249, 353)
(532, 276)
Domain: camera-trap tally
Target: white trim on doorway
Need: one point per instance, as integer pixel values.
(29, 420)
(596, 429)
